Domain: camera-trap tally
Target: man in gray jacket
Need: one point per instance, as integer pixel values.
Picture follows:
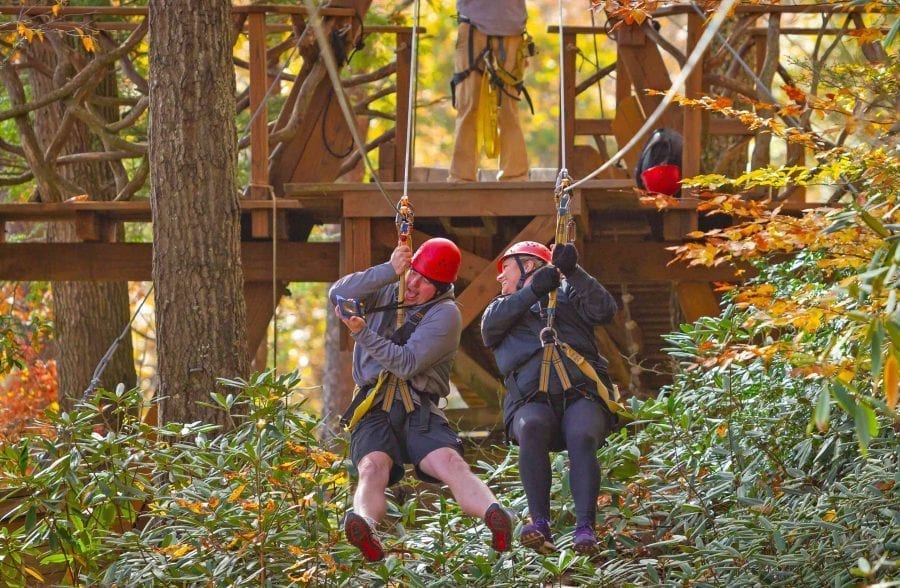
(543, 413)
(401, 373)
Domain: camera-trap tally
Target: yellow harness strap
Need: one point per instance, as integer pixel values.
(488, 118)
(397, 385)
(394, 384)
(552, 357)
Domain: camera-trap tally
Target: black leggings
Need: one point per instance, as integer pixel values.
(582, 429)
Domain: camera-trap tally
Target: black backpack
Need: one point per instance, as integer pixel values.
(662, 148)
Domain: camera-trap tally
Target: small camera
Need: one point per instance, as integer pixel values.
(350, 307)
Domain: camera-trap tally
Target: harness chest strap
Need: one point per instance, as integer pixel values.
(551, 357)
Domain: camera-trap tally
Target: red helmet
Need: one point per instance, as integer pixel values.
(438, 260)
(532, 248)
(664, 179)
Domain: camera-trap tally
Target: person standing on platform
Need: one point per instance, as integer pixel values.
(546, 409)
(491, 41)
(401, 374)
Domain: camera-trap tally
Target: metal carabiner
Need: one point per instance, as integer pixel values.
(548, 336)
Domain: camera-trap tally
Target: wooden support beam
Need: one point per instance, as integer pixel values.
(693, 117)
(696, 299)
(646, 69)
(104, 262)
(477, 386)
(484, 287)
(259, 189)
(355, 255)
(478, 419)
(260, 303)
(443, 200)
(90, 226)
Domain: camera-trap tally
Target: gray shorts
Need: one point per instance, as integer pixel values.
(403, 441)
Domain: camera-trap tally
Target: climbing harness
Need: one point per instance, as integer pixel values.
(553, 349)
(496, 81)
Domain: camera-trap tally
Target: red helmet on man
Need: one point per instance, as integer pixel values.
(663, 179)
(532, 248)
(438, 260)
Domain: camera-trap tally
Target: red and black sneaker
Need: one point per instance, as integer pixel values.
(361, 535)
(500, 522)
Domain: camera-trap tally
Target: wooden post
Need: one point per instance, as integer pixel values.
(260, 220)
(568, 98)
(356, 253)
(404, 55)
(693, 117)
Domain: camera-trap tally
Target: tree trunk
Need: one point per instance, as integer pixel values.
(337, 381)
(88, 316)
(200, 309)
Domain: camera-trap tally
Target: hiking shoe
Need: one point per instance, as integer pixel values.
(585, 541)
(361, 535)
(537, 536)
(500, 522)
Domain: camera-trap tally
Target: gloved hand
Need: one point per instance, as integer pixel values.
(544, 280)
(565, 257)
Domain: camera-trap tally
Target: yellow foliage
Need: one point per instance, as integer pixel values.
(177, 550)
(891, 383)
(236, 493)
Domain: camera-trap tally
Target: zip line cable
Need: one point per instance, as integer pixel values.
(710, 31)
(562, 100)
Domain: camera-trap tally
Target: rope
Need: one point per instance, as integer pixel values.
(695, 56)
(274, 281)
(107, 357)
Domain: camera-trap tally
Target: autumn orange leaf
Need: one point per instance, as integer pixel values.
(795, 93)
(864, 36)
(891, 383)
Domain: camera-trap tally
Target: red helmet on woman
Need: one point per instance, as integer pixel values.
(664, 179)
(532, 248)
(438, 260)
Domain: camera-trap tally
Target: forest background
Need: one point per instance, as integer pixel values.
(774, 447)
(296, 339)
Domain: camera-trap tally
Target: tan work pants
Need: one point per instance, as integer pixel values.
(513, 155)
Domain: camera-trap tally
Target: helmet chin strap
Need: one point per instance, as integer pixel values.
(523, 275)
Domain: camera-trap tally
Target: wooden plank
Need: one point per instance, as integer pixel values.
(647, 261)
(91, 226)
(568, 72)
(259, 189)
(103, 262)
(629, 119)
(591, 126)
(449, 200)
(404, 59)
(355, 255)
(696, 299)
(125, 211)
(484, 287)
(677, 224)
